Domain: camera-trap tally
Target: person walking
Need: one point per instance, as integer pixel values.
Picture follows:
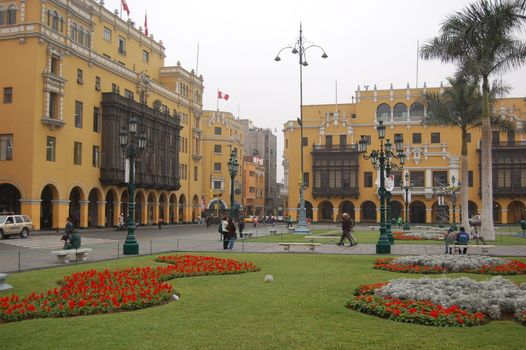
(289, 221)
(231, 233)
(463, 239)
(241, 226)
(160, 222)
(399, 222)
(449, 241)
(346, 231)
(224, 232)
(476, 235)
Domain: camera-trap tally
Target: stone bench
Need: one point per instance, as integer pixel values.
(64, 256)
(291, 228)
(273, 231)
(457, 248)
(247, 234)
(311, 245)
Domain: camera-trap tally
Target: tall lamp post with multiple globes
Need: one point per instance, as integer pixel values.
(300, 49)
(233, 166)
(406, 186)
(132, 146)
(382, 159)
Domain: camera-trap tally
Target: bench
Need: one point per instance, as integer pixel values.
(457, 248)
(3, 284)
(247, 234)
(273, 231)
(291, 228)
(63, 256)
(311, 245)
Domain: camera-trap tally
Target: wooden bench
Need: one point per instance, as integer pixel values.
(457, 248)
(64, 256)
(247, 234)
(311, 245)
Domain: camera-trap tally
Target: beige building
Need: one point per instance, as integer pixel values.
(254, 186)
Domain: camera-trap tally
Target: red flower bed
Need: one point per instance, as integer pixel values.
(401, 237)
(93, 292)
(411, 311)
(514, 267)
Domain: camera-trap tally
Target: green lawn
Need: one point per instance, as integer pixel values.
(302, 309)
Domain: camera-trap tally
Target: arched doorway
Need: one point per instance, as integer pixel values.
(182, 207)
(396, 210)
(368, 210)
(196, 208)
(49, 194)
(110, 209)
(308, 210)
(173, 208)
(326, 211)
(472, 209)
(217, 207)
(497, 213)
(440, 213)
(516, 212)
(417, 212)
(162, 207)
(9, 199)
(93, 206)
(151, 207)
(140, 203)
(75, 197)
(347, 207)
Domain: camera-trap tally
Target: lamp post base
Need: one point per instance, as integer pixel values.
(383, 248)
(407, 227)
(130, 248)
(302, 228)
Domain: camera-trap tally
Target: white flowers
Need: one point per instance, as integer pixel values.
(453, 263)
(269, 278)
(493, 297)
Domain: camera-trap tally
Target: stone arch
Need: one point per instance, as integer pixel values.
(10, 199)
(196, 208)
(94, 197)
(110, 212)
(325, 211)
(182, 207)
(173, 208)
(217, 207)
(396, 210)
(48, 207)
(76, 196)
(347, 207)
(383, 112)
(368, 212)
(516, 212)
(400, 111)
(416, 111)
(497, 213)
(417, 212)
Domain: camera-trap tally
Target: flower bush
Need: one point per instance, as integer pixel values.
(452, 263)
(94, 292)
(442, 301)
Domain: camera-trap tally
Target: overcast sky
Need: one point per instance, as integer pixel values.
(368, 42)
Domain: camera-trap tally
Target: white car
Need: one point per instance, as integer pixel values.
(15, 225)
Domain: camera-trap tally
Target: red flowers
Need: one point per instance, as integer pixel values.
(91, 292)
(388, 265)
(411, 311)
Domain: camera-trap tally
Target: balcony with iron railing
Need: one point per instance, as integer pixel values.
(325, 191)
(335, 148)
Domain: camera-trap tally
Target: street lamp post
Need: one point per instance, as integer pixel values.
(406, 187)
(300, 49)
(232, 168)
(382, 159)
(132, 147)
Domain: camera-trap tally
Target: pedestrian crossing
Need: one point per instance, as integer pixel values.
(39, 242)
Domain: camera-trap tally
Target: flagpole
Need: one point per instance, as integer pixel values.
(217, 100)
(120, 12)
(197, 61)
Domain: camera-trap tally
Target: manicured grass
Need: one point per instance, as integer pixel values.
(302, 309)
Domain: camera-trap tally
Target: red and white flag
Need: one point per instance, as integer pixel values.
(125, 7)
(222, 95)
(146, 24)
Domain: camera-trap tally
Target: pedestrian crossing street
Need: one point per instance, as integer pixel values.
(39, 242)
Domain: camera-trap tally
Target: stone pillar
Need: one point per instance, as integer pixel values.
(117, 210)
(31, 208)
(429, 215)
(101, 213)
(504, 215)
(357, 218)
(378, 215)
(174, 209)
(335, 212)
(314, 214)
(83, 214)
(188, 212)
(428, 179)
(166, 213)
(144, 213)
(155, 212)
(60, 212)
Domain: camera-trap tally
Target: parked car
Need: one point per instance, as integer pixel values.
(15, 225)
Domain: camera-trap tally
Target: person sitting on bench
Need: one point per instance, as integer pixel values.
(73, 241)
(462, 239)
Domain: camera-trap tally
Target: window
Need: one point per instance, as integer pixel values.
(251, 173)
(383, 112)
(328, 141)
(107, 34)
(440, 178)
(145, 56)
(80, 79)
(6, 147)
(470, 178)
(418, 179)
(78, 114)
(74, 32)
(3, 14)
(367, 179)
(252, 189)
(435, 137)
(50, 149)
(305, 141)
(55, 65)
(53, 105)
(195, 173)
(11, 15)
(353, 115)
(217, 130)
(306, 180)
(417, 138)
(343, 140)
(217, 166)
(394, 138)
(122, 45)
(77, 153)
(218, 184)
(400, 111)
(114, 88)
(217, 148)
(128, 94)
(96, 119)
(97, 83)
(8, 95)
(96, 157)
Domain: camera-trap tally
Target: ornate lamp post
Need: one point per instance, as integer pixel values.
(232, 168)
(382, 159)
(132, 147)
(300, 50)
(406, 186)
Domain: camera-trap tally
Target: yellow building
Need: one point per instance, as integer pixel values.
(254, 186)
(75, 75)
(339, 180)
(221, 134)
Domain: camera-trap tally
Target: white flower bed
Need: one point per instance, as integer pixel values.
(427, 235)
(454, 263)
(494, 298)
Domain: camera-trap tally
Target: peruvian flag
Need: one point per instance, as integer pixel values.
(146, 24)
(125, 7)
(222, 95)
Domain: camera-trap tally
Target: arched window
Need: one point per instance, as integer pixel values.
(48, 17)
(87, 38)
(383, 112)
(61, 24)
(74, 32)
(54, 24)
(3, 14)
(81, 36)
(416, 110)
(400, 111)
(11, 15)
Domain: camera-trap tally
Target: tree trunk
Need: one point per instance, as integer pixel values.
(464, 200)
(486, 175)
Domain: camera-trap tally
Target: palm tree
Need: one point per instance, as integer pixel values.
(460, 105)
(481, 40)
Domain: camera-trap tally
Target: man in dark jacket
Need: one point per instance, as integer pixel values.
(74, 241)
(346, 230)
(463, 239)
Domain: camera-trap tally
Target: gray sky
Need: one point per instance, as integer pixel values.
(368, 42)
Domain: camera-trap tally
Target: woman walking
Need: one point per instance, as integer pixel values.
(231, 233)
